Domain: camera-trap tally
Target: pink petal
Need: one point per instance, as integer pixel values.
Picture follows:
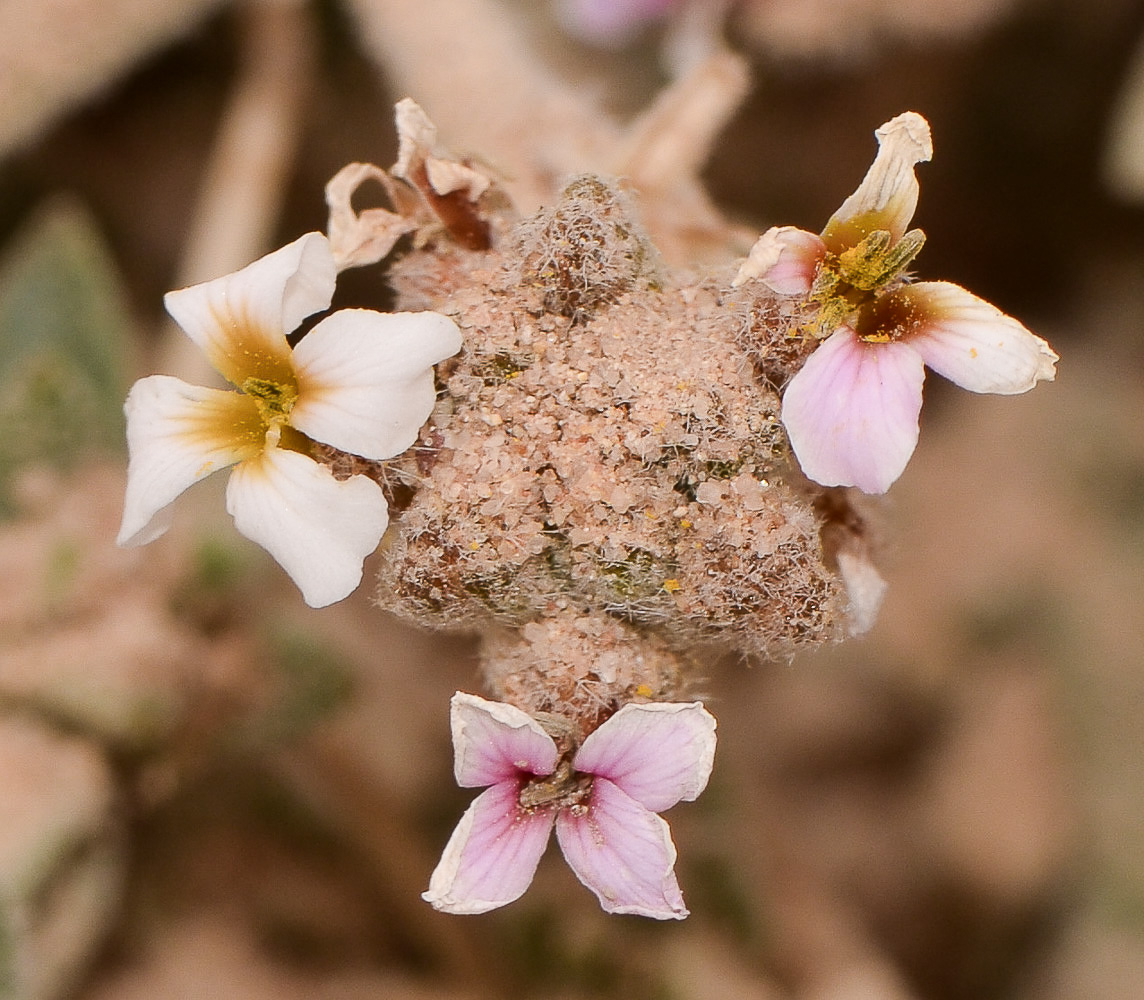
(657, 753)
(973, 343)
(178, 434)
(852, 411)
(623, 852)
(319, 528)
(365, 379)
(888, 195)
(241, 320)
(495, 742)
(492, 856)
(785, 259)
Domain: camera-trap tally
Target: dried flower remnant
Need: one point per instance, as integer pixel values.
(360, 238)
(852, 409)
(603, 796)
(359, 381)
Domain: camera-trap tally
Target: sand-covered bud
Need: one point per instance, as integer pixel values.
(585, 251)
(769, 330)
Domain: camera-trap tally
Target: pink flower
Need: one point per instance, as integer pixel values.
(609, 23)
(603, 799)
(852, 411)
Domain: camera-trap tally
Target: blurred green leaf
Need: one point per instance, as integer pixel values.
(316, 681)
(64, 327)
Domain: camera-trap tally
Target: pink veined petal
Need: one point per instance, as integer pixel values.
(492, 855)
(785, 259)
(888, 195)
(623, 852)
(657, 753)
(973, 343)
(494, 742)
(319, 529)
(365, 379)
(852, 411)
(178, 434)
(240, 321)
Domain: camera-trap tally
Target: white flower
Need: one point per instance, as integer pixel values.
(360, 381)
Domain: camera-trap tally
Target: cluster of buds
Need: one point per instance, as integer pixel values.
(588, 460)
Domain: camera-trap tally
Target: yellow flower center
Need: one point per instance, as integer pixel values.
(853, 278)
(273, 399)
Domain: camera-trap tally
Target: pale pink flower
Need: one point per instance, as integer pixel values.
(360, 381)
(851, 412)
(603, 798)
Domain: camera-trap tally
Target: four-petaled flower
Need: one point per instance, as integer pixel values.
(360, 381)
(602, 797)
(851, 411)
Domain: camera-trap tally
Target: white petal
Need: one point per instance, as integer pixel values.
(973, 343)
(319, 529)
(416, 138)
(658, 753)
(623, 852)
(447, 176)
(785, 259)
(365, 379)
(865, 587)
(241, 320)
(852, 411)
(492, 856)
(494, 741)
(178, 434)
(888, 195)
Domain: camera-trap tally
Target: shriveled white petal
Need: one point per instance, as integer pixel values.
(178, 434)
(359, 238)
(658, 753)
(494, 741)
(365, 379)
(416, 138)
(447, 176)
(785, 259)
(623, 852)
(973, 343)
(492, 856)
(888, 195)
(319, 529)
(851, 412)
(241, 320)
